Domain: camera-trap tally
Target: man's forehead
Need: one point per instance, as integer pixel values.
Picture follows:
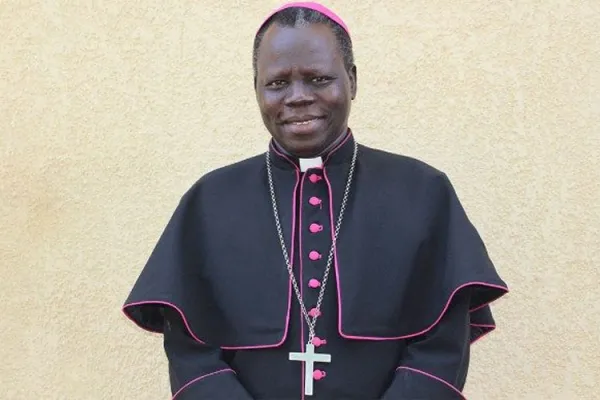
(273, 62)
(311, 39)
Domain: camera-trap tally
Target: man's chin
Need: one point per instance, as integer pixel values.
(306, 149)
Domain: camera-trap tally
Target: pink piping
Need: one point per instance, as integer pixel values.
(434, 377)
(198, 379)
(301, 279)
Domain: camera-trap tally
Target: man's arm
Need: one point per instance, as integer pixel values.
(435, 365)
(197, 371)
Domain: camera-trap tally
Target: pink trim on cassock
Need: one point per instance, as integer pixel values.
(301, 280)
(433, 377)
(311, 6)
(199, 379)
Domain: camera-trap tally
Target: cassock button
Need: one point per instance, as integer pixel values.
(314, 228)
(313, 283)
(318, 374)
(314, 178)
(314, 255)
(317, 341)
(314, 313)
(315, 201)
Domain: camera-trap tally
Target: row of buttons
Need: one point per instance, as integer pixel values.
(314, 283)
(314, 228)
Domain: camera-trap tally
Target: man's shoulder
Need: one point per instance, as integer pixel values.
(401, 166)
(233, 172)
(421, 185)
(228, 178)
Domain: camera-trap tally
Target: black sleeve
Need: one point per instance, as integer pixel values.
(435, 365)
(197, 371)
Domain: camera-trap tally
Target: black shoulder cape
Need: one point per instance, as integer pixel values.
(406, 248)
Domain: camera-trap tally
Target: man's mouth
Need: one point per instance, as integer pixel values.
(308, 121)
(299, 121)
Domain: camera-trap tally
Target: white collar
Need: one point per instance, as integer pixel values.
(306, 163)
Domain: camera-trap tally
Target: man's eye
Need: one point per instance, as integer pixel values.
(275, 84)
(321, 79)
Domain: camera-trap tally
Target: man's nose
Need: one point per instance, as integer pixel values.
(299, 94)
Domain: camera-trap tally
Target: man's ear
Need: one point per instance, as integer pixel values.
(353, 81)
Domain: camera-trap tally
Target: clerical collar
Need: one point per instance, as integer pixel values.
(339, 151)
(308, 163)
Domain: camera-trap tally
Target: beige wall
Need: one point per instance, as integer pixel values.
(109, 110)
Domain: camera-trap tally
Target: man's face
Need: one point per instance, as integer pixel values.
(302, 87)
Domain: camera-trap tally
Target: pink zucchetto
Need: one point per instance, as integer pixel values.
(311, 6)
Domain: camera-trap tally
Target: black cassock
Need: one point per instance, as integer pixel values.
(408, 293)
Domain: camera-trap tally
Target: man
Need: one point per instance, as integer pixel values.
(322, 269)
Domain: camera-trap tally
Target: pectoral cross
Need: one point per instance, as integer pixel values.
(310, 358)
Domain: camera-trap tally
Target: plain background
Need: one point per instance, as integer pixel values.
(110, 110)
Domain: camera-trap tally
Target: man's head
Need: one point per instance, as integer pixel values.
(304, 77)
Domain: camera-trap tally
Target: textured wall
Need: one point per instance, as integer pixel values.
(109, 110)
